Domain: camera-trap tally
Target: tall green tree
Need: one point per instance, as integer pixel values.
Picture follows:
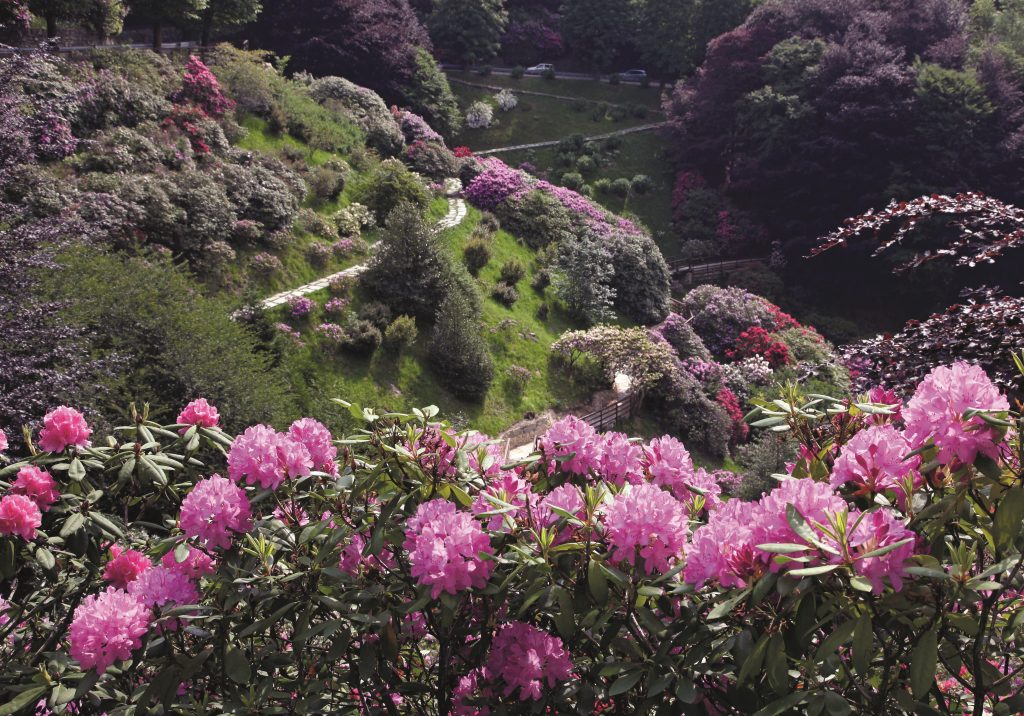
(222, 14)
(458, 352)
(468, 30)
(104, 18)
(584, 278)
(596, 31)
(54, 11)
(672, 35)
(161, 13)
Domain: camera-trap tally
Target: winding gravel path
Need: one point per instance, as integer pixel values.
(555, 142)
(455, 216)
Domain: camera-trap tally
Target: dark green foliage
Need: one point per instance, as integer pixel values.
(376, 313)
(642, 280)
(458, 352)
(541, 280)
(685, 410)
(517, 72)
(512, 272)
(468, 30)
(411, 272)
(537, 218)
(430, 95)
(671, 52)
(326, 183)
(621, 187)
(432, 159)
(572, 180)
(176, 343)
(361, 337)
(389, 185)
(505, 294)
(763, 457)
(400, 334)
(596, 30)
(476, 253)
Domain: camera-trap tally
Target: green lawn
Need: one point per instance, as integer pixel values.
(536, 119)
(515, 335)
(624, 94)
(641, 153)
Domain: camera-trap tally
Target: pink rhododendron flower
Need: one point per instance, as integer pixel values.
(813, 500)
(265, 457)
(619, 459)
(525, 658)
(106, 628)
(669, 465)
(291, 514)
(4, 606)
(469, 687)
(353, 563)
(572, 436)
(164, 587)
(196, 565)
(125, 567)
(317, 439)
(3, 441)
(876, 530)
(873, 462)
(63, 426)
(37, 485)
(480, 451)
(646, 522)
(723, 549)
(435, 455)
(704, 484)
(509, 488)
(199, 412)
(883, 396)
(215, 510)
(444, 548)
(937, 411)
(19, 515)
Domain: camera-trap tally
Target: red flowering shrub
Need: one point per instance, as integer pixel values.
(728, 400)
(462, 152)
(756, 341)
(201, 88)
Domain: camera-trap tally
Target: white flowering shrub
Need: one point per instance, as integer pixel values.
(480, 115)
(506, 100)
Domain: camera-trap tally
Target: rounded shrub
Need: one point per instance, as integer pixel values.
(400, 334)
(476, 253)
(512, 272)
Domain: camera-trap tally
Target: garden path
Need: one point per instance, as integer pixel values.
(454, 217)
(554, 142)
(564, 97)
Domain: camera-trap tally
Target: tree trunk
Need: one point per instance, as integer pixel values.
(158, 36)
(51, 25)
(207, 29)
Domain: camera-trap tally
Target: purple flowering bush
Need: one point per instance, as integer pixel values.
(406, 569)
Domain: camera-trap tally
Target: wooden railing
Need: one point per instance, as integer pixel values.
(704, 271)
(614, 413)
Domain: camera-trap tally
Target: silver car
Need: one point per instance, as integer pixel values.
(540, 69)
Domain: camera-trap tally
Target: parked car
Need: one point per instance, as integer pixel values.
(633, 75)
(540, 69)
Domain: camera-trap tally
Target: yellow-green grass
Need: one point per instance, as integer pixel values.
(516, 337)
(641, 153)
(535, 119)
(622, 93)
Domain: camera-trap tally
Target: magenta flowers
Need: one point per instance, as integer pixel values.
(62, 427)
(214, 511)
(444, 547)
(199, 412)
(107, 628)
(646, 523)
(19, 516)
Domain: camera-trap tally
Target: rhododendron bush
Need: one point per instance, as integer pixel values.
(404, 569)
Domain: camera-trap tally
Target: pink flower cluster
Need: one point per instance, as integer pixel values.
(36, 484)
(525, 659)
(873, 461)
(316, 438)
(3, 441)
(444, 548)
(936, 412)
(300, 306)
(265, 457)
(201, 88)
(572, 444)
(107, 628)
(20, 516)
(643, 522)
(63, 427)
(214, 511)
(510, 489)
(125, 566)
(162, 586)
(435, 452)
(199, 412)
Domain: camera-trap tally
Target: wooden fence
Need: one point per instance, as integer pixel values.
(611, 415)
(695, 272)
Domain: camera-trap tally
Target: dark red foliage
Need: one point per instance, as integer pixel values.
(984, 329)
(731, 404)
(983, 228)
(756, 341)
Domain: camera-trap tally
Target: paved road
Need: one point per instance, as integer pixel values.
(83, 48)
(454, 217)
(563, 97)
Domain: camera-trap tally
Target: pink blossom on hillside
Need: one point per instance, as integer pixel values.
(876, 530)
(318, 441)
(669, 465)
(619, 459)
(508, 488)
(353, 563)
(62, 427)
(106, 628)
(937, 410)
(873, 461)
(200, 87)
(813, 500)
(435, 454)
(164, 587)
(125, 566)
(526, 659)
(36, 484)
(644, 522)
(723, 549)
(214, 511)
(572, 436)
(481, 449)
(444, 548)
(265, 457)
(199, 412)
(20, 516)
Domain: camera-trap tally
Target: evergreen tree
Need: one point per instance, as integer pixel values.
(104, 18)
(411, 272)
(585, 276)
(468, 30)
(458, 353)
(53, 11)
(672, 35)
(596, 30)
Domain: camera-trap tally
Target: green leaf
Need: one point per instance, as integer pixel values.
(834, 640)
(598, 582)
(237, 666)
(45, 558)
(923, 661)
(887, 548)
(564, 617)
(181, 552)
(863, 639)
(814, 571)
(624, 683)
(76, 471)
(22, 700)
(106, 524)
(752, 664)
(782, 705)
(1009, 517)
(728, 605)
(74, 522)
(782, 547)
(775, 656)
